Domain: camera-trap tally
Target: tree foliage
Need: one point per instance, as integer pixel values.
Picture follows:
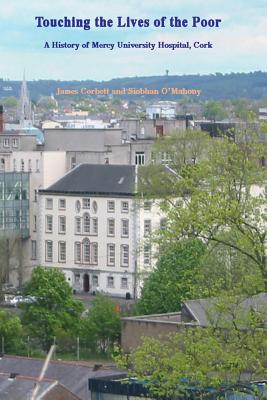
(101, 327)
(232, 350)
(219, 199)
(11, 331)
(55, 310)
(174, 278)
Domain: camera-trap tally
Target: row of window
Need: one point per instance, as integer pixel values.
(85, 252)
(21, 165)
(86, 205)
(110, 281)
(7, 142)
(85, 225)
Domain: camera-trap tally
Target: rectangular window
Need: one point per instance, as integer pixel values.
(6, 142)
(29, 165)
(111, 227)
(35, 223)
(15, 142)
(62, 204)
(37, 166)
(147, 227)
(139, 158)
(34, 250)
(124, 228)
(48, 250)
(49, 204)
(147, 254)
(111, 254)
(110, 282)
(77, 278)
(35, 194)
(86, 252)
(78, 226)
(111, 206)
(94, 226)
(94, 253)
(124, 283)
(49, 224)
(86, 203)
(124, 255)
(62, 224)
(77, 252)
(86, 223)
(95, 280)
(147, 205)
(61, 251)
(124, 206)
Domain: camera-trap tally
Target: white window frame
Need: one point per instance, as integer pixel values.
(49, 223)
(125, 228)
(49, 251)
(125, 254)
(86, 251)
(78, 224)
(49, 203)
(34, 250)
(110, 228)
(77, 252)
(125, 206)
(109, 284)
(86, 203)
(62, 252)
(147, 254)
(60, 207)
(111, 255)
(62, 224)
(111, 206)
(123, 285)
(94, 253)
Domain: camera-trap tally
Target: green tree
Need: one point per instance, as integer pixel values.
(223, 353)
(11, 331)
(214, 110)
(174, 278)
(101, 328)
(222, 193)
(55, 309)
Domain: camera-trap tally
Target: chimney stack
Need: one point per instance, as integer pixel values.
(1, 118)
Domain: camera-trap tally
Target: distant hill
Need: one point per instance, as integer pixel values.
(217, 86)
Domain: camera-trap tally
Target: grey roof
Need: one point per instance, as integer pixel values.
(206, 311)
(96, 179)
(21, 388)
(74, 376)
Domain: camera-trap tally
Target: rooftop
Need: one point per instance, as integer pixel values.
(118, 180)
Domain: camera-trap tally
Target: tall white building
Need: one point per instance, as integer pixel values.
(92, 227)
(87, 228)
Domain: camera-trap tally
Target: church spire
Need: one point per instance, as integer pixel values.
(24, 107)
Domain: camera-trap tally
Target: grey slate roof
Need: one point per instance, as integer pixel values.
(205, 311)
(96, 179)
(21, 388)
(74, 376)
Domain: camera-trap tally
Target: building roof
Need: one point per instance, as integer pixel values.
(72, 375)
(118, 180)
(205, 312)
(22, 387)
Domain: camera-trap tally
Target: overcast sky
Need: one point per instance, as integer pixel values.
(240, 44)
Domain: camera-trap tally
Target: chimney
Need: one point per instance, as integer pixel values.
(1, 118)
